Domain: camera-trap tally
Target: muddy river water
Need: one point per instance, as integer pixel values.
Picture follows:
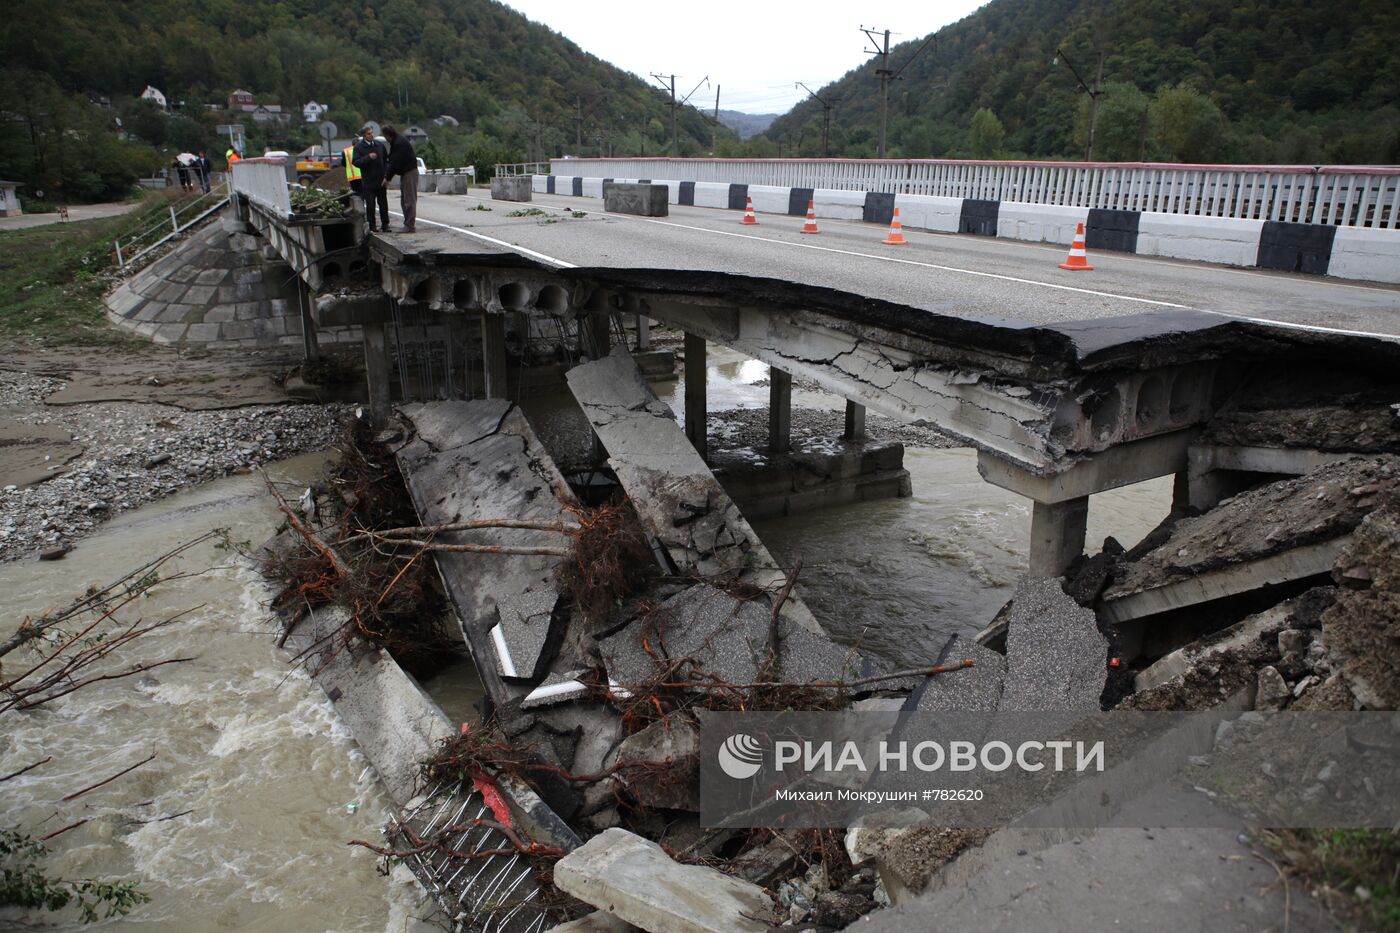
(274, 784)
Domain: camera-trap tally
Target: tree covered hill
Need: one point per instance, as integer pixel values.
(519, 89)
(1292, 81)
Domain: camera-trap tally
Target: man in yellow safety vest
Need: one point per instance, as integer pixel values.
(352, 171)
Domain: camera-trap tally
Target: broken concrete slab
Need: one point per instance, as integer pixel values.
(633, 879)
(1267, 624)
(522, 635)
(725, 637)
(396, 724)
(677, 498)
(480, 459)
(672, 744)
(556, 688)
(1056, 658)
(976, 689)
(1283, 532)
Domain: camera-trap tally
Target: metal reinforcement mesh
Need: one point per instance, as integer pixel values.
(481, 892)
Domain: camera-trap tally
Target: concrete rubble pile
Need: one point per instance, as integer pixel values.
(1285, 594)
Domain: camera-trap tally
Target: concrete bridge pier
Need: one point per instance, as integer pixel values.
(306, 301)
(1061, 500)
(643, 324)
(779, 410)
(377, 370)
(493, 354)
(695, 376)
(855, 421)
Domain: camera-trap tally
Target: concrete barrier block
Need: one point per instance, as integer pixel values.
(444, 184)
(1208, 239)
(1365, 253)
(563, 184)
(1039, 223)
(641, 200)
(839, 205)
(426, 183)
(511, 188)
(711, 194)
(769, 199)
(539, 184)
(925, 212)
(593, 187)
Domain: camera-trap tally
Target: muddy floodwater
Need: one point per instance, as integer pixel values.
(274, 785)
(897, 576)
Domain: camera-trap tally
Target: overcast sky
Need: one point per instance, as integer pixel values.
(755, 50)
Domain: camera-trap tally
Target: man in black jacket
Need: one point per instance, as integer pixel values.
(403, 164)
(370, 157)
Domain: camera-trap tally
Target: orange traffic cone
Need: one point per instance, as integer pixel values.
(1078, 260)
(811, 225)
(896, 237)
(749, 218)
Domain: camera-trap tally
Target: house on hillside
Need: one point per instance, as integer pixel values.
(154, 96)
(267, 113)
(415, 135)
(239, 100)
(445, 120)
(313, 111)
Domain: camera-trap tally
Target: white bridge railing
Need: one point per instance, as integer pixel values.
(264, 182)
(1345, 195)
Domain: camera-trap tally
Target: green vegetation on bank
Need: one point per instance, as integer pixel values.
(53, 277)
(1250, 81)
(1354, 871)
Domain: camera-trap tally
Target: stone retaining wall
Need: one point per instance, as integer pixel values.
(217, 289)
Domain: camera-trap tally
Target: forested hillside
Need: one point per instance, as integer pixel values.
(518, 89)
(1293, 81)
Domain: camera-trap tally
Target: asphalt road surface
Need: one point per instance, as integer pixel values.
(959, 275)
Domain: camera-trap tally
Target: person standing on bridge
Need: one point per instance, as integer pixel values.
(370, 157)
(403, 163)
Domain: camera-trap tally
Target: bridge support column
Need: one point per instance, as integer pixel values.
(779, 410)
(695, 425)
(493, 354)
(643, 332)
(855, 421)
(306, 300)
(377, 370)
(1057, 535)
(597, 337)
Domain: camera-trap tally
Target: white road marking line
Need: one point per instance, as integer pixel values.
(1309, 327)
(1290, 325)
(490, 239)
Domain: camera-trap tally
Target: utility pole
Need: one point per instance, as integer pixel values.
(1094, 94)
(675, 134)
(886, 75)
(579, 122)
(828, 106)
(677, 104)
(714, 125)
(884, 72)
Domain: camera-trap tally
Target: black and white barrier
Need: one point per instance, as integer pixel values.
(1363, 253)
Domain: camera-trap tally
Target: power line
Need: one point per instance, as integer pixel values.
(828, 106)
(675, 106)
(886, 75)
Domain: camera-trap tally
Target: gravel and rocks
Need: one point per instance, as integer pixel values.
(135, 453)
